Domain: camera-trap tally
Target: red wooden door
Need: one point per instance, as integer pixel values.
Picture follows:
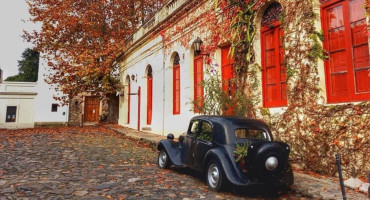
(138, 108)
(128, 103)
(91, 109)
(176, 89)
(149, 100)
(274, 73)
(227, 75)
(198, 78)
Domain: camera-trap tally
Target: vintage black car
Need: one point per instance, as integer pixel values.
(212, 143)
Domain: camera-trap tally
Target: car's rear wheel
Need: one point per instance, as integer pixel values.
(215, 176)
(163, 159)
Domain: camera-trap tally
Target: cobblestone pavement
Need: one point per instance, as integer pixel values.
(91, 163)
(97, 163)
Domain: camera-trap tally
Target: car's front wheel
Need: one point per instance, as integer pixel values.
(215, 176)
(163, 159)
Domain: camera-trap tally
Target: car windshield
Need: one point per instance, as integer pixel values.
(246, 133)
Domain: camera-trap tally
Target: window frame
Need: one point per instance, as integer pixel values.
(228, 85)
(54, 105)
(176, 68)
(149, 115)
(351, 80)
(200, 130)
(281, 102)
(128, 100)
(7, 113)
(197, 96)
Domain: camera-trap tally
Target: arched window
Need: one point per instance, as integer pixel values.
(176, 84)
(227, 75)
(347, 67)
(198, 78)
(149, 95)
(274, 72)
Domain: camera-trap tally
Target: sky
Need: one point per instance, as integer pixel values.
(12, 12)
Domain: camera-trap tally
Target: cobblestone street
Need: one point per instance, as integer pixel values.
(95, 163)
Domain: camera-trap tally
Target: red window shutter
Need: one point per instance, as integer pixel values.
(176, 89)
(198, 78)
(227, 74)
(360, 46)
(274, 72)
(346, 39)
(150, 100)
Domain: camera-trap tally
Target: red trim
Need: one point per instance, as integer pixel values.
(340, 80)
(276, 97)
(227, 75)
(128, 103)
(149, 100)
(198, 78)
(176, 90)
(138, 108)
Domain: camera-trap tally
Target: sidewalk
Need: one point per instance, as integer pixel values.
(308, 186)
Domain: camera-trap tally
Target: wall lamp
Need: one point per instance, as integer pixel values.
(198, 47)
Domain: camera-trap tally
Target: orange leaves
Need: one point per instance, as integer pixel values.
(85, 36)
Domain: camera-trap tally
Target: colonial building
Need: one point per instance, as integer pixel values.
(162, 78)
(312, 69)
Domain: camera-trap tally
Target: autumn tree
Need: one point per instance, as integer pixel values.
(28, 67)
(81, 39)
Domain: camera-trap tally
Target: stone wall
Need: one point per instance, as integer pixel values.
(76, 111)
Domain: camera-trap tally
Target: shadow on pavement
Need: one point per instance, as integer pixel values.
(258, 192)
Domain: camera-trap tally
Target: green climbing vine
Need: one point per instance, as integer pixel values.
(314, 130)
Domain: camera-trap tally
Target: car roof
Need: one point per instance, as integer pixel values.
(228, 125)
(232, 119)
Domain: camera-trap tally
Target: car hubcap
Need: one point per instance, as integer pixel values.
(162, 159)
(213, 175)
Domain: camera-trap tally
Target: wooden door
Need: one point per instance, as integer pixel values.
(149, 100)
(198, 88)
(227, 76)
(138, 108)
(91, 109)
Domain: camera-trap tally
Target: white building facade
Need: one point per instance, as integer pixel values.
(48, 111)
(30, 104)
(160, 80)
(17, 104)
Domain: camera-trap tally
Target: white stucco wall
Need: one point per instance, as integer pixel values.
(163, 120)
(22, 95)
(44, 99)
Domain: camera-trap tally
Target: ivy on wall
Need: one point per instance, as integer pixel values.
(314, 131)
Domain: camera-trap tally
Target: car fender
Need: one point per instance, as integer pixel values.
(229, 170)
(173, 150)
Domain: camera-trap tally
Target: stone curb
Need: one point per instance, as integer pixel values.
(143, 137)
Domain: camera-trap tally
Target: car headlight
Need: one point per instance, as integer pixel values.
(271, 163)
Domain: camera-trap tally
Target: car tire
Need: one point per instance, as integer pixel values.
(214, 176)
(163, 159)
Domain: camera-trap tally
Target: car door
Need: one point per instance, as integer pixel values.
(187, 151)
(203, 143)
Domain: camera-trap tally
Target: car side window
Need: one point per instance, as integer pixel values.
(205, 132)
(194, 128)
